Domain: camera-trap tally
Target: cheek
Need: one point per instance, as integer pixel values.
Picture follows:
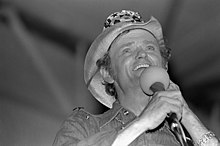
(121, 67)
(156, 58)
(115, 68)
(160, 61)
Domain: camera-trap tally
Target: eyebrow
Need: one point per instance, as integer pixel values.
(151, 42)
(145, 41)
(127, 44)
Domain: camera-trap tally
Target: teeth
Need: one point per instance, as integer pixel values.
(140, 66)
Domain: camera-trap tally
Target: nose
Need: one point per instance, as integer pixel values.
(141, 54)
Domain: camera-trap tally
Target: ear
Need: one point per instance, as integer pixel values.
(166, 66)
(106, 76)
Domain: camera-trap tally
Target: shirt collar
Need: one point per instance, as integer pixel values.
(109, 115)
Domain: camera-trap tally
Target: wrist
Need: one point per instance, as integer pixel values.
(208, 139)
(193, 125)
(189, 119)
(141, 125)
(129, 133)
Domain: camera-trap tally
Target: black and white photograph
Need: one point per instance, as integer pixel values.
(109, 73)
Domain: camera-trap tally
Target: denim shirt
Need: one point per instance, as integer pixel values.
(84, 129)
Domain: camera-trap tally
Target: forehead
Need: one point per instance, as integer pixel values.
(133, 36)
(136, 33)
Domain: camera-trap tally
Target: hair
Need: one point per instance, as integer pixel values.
(105, 63)
(165, 51)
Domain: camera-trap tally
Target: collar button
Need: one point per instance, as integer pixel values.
(126, 113)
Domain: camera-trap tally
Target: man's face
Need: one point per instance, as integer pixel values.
(132, 53)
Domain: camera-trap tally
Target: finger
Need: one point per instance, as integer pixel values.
(171, 94)
(173, 86)
(172, 108)
(169, 100)
(161, 100)
(175, 99)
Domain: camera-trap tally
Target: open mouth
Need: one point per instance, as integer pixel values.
(141, 66)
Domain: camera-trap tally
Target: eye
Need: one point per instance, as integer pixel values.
(151, 48)
(126, 50)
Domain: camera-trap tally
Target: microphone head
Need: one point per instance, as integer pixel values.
(151, 75)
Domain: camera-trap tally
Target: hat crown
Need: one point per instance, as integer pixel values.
(123, 16)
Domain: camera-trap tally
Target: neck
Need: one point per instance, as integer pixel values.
(134, 100)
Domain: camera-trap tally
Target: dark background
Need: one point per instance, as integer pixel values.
(42, 48)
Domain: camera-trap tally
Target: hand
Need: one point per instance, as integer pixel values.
(173, 87)
(161, 104)
(190, 121)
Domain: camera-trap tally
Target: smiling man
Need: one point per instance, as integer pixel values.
(113, 67)
(131, 53)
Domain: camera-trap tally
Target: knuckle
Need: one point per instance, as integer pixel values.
(163, 101)
(166, 104)
(158, 94)
(175, 109)
(179, 103)
(155, 95)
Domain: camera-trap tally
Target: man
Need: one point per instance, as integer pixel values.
(113, 66)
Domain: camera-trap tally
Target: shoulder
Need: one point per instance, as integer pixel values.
(81, 117)
(80, 114)
(77, 126)
(80, 121)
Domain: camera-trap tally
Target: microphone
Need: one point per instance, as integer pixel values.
(155, 79)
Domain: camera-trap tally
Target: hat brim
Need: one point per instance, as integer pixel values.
(100, 46)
